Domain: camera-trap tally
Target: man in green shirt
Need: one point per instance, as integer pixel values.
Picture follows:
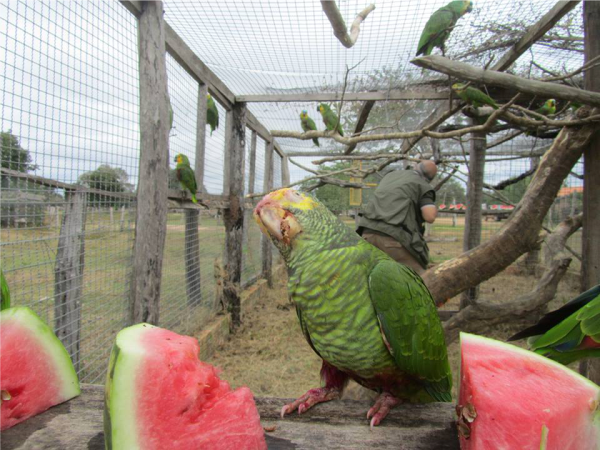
(393, 220)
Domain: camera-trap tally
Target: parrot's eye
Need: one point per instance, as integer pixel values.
(294, 196)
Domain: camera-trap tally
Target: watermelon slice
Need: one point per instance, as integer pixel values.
(159, 395)
(35, 369)
(511, 398)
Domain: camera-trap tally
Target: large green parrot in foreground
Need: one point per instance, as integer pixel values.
(185, 175)
(212, 114)
(4, 292)
(473, 96)
(330, 119)
(440, 25)
(308, 125)
(368, 317)
(568, 333)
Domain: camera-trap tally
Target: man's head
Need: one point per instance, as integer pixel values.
(428, 169)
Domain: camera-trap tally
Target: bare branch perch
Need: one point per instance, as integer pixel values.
(339, 26)
(490, 77)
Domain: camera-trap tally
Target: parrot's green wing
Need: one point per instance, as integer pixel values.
(212, 115)
(436, 31)
(589, 318)
(477, 98)
(186, 177)
(331, 119)
(305, 330)
(307, 125)
(411, 325)
(5, 292)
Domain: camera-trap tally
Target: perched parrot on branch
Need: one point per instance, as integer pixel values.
(4, 292)
(368, 317)
(185, 175)
(308, 125)
(212, 114)
(440, 25)
(549, 107)
(473, 96)
(568, 333)
(330, 119)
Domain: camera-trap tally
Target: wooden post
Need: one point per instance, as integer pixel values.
(285, 171)
(227, 150)
(454, 216)
(590, 273)
(200, 137)
(151, 214)
(68, 275)
(472, 233)
(122, 219)
(248, 211)
(112, 216)
(265, 243)
(234, 214)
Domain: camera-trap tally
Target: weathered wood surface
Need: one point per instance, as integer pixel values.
(265, 243)
(591, 168)
(392, 94)
(200, 136)
(472, 232)
(339, 26)
(233, 216)
(68, 275)
(78, 425)
(541, 89)
(154, 154)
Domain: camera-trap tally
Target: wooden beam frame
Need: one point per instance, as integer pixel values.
(394, 94)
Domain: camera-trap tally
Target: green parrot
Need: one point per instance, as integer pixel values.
(330, 119)
(473, 96)
(549, 107)
(308, 124)
(185, 175)
(368, 317)
(4, 292)
(440, 25)
(568, 333)
(212, 114)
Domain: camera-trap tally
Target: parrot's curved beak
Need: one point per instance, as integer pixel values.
(275, 221)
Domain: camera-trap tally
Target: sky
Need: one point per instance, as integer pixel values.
(69, 71)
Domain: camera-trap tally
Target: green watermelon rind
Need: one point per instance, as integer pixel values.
(53, 347)
(120, 391)
(466, 337)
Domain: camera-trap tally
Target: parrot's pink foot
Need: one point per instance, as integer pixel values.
(384, 403)
(311, 398)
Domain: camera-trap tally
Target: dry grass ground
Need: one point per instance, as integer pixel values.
(270, 355)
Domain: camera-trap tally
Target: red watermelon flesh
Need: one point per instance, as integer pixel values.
(508, 395)
(159, 396)
(35, 369)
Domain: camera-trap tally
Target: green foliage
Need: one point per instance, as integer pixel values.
(14, 156)
(452, 191)
(106, 178)
(336, 198)
(514, 192)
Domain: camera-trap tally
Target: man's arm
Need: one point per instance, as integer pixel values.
(429, 213)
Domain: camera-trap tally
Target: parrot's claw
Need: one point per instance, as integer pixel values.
(384, 403)
(311, 398)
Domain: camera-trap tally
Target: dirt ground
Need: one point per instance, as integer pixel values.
(270, 355)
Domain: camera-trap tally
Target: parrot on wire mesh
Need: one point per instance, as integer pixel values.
(185, 175)
(308, 124)
(4, 292)
(440, 25)
(330, 119)
(473, 96)
(569, 333)
(549, 107)
(368, 317)
(212, 114)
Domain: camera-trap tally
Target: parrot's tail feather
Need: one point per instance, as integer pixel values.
(194, 198)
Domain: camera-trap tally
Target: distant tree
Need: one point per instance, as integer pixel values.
(452, 190)
(106, 178)
(14, 156)
(514, 192)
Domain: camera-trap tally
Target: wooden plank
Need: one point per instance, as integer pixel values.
(265, 243)
(151, 211)
(535, 32)
(393, 94)
(590, 275)
(285, 171)
(339, 424)
(540, 89)
(252, 162)
(253, 123)
(472, 231)
(68, 275)
(227, 150)
(233, 216)
(200, 137)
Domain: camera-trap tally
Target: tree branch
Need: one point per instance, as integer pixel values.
(490, 77)
(339, 26)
